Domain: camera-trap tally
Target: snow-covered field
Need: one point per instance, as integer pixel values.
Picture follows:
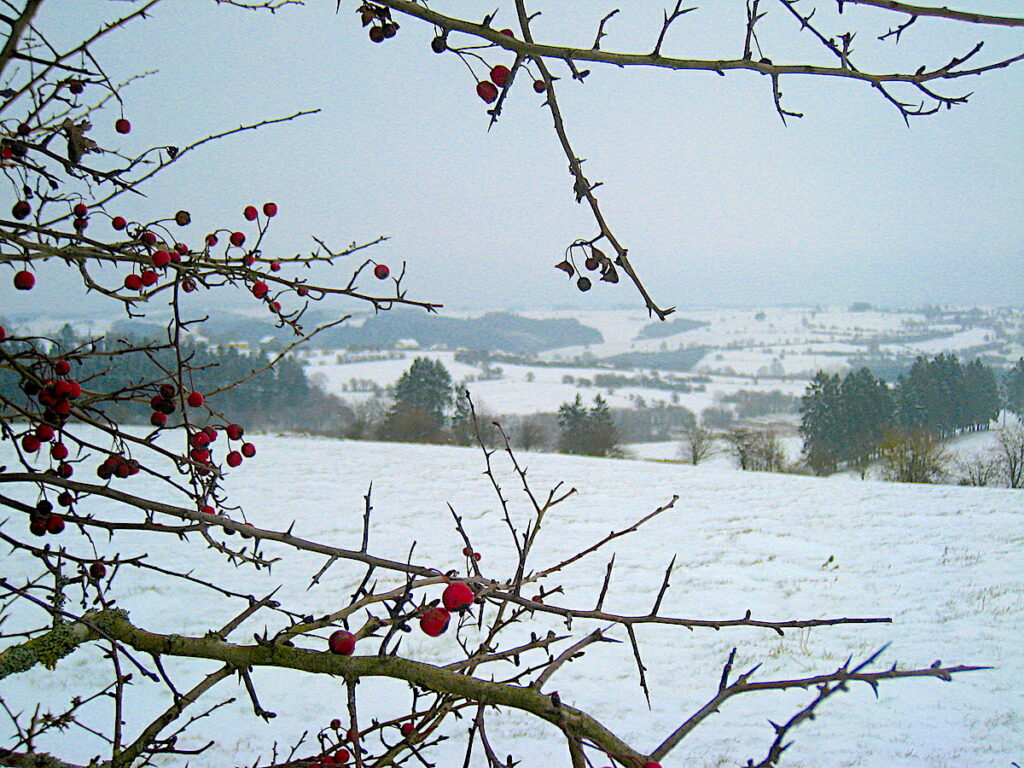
(946, 563)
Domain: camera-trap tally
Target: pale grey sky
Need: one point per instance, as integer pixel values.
(717, 201)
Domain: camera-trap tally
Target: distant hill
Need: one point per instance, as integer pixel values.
(670, 328)
(496, 331)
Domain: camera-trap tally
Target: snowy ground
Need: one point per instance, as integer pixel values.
(944, 562)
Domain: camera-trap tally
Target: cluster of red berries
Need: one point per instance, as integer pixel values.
(116, 465)
(338, 757)
(468, 552)
(200, 441)
(54, 394)
(32, 441)
(456, 598)
(499, 74)
(44, 520)
(163, 405)
(81, 212)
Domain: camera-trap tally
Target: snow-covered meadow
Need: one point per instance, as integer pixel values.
(945, 563)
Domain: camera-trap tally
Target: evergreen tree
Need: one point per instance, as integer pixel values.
(572, 421)
(820, 423)
(427, 387)
(866, 412)
(1014, 385)
(602, 437)
(915, 397)
(982, 395)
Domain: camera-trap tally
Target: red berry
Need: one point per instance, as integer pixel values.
(275, 266)
(342, 643)
(259, 289)
(211, 433)
(499, 75)
(270, 210)
(206, 509)
(248, 260)
(381, 271)
(44, 432)
(199, 440)
(196, 399)
(467, 551)
(211, 240)
(21, 209)
(24, 280)
(457, 596)
(54, 524)
(508, 33)
(237, 238)
(181, 249)
(487, 91)
(123, 126)
(199, 454)
(3, 333)
(30, 443)
(160, 259)
(158, 419)
(149, 277)
(80, 210)
(275, 306)
(24, 129)
(80, 224)
(97, 571)
(76, 86)
(234, 431)
(540, 86)
(119, 222)
(248, 450)
(234, 458)
(59, 451)
(341, 756)
(188, 285)
(133, 282)
(65, 470)
(407, 728)
(477, 556)
(65, 499)
(62, 367)
(652, 764)
(148, 238)
(434, 621)
(38, 527)
(250, 213)
(301, 291)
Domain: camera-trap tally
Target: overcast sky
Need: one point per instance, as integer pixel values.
(717, 201)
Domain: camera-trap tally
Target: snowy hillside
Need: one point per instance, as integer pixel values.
(944, 562)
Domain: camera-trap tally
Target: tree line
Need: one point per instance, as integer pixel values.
(847, 422)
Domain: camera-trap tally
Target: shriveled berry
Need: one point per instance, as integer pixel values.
(377, 34)
(487, 91)
(21, 209)
(583, 283)
(439, 44)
